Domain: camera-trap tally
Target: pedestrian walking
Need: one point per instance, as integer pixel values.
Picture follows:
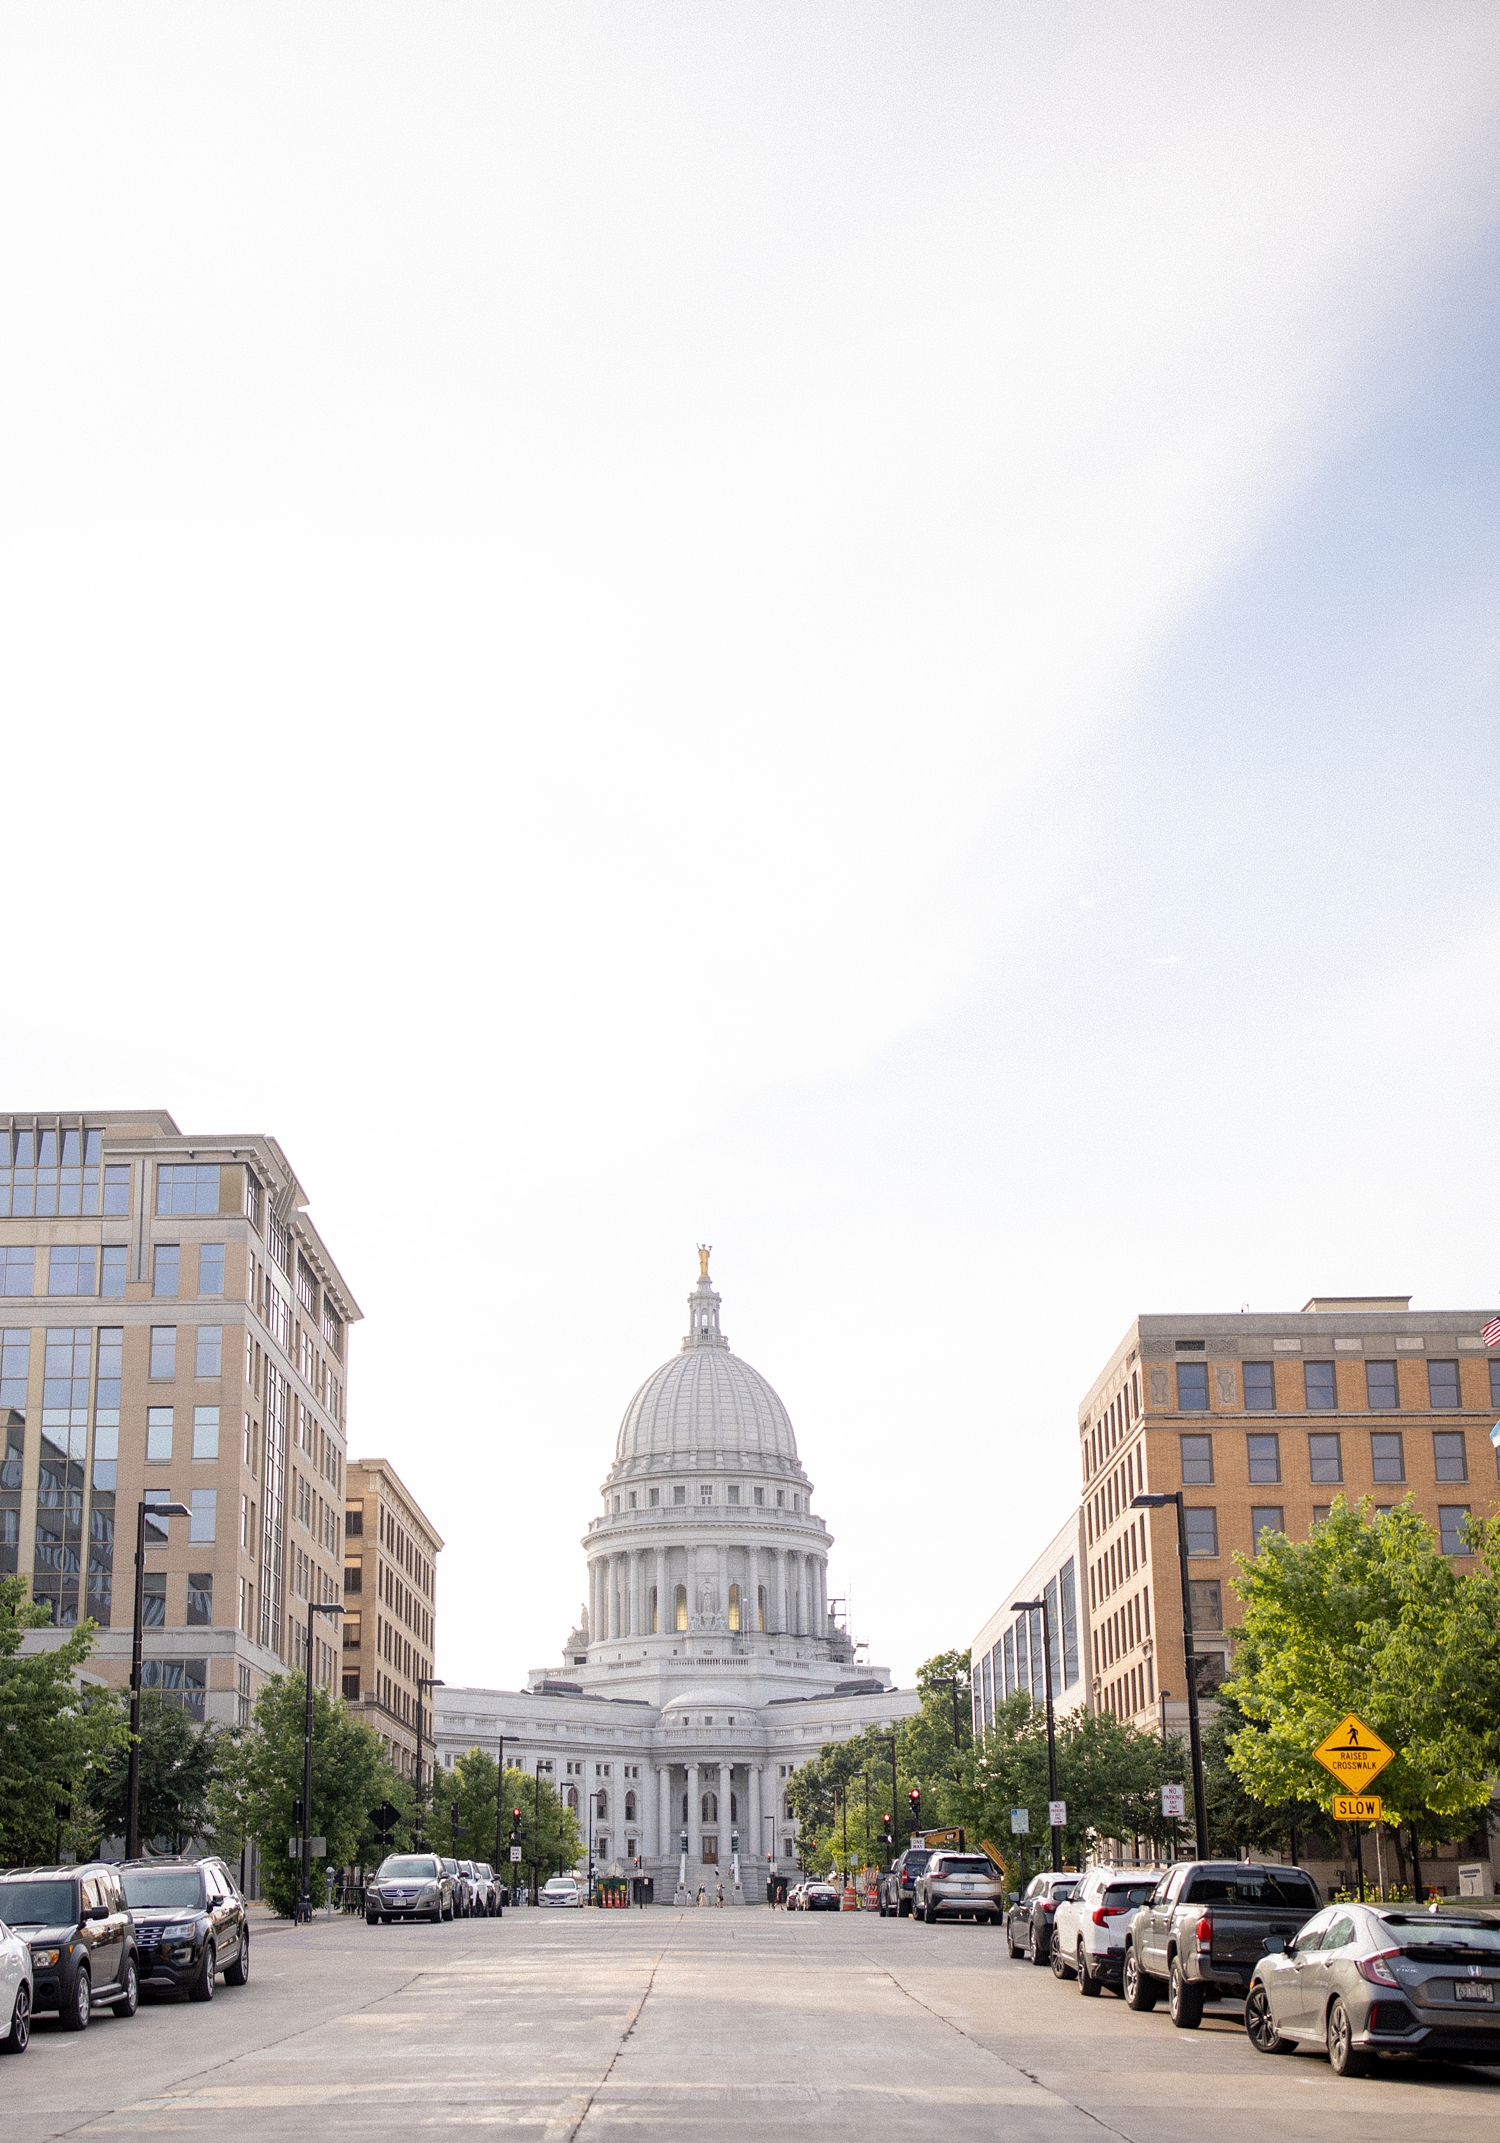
(721, 1895)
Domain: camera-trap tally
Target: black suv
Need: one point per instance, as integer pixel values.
(83, 1947)
(190, 1924)
(900, 1880)
(1028, 1924)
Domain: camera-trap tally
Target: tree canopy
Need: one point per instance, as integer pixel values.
(550, 1839)
(53, 1728)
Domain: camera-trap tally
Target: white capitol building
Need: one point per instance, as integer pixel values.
(706, 1666)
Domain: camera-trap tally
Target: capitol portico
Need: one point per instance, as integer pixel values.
(706, 1666)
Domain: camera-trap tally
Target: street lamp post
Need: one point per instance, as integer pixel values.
(425, 1681)
(1018, 1607)
(1195, 1737)
(314, 1607)
(133, 1773)
(1162, 1695)
(499, 1818)
(536, 1839)
(951, 1682)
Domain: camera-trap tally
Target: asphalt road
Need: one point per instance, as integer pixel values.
(699, 2024)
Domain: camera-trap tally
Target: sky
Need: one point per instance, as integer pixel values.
(866, 634)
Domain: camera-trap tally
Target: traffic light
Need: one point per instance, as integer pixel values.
(297, 1817)
(887, 1833)
(515, 1826)
(914, 1800)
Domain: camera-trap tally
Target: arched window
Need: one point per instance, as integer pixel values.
(734, 1808)
(682, 1607)
(760, 1604)
(602, 1805)
(734, 1608)
(573, 1799)
(655, 1617)
(630, 1808)
(710, 1808)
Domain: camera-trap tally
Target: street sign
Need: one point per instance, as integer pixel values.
(1057, 1814)
(318, 1851)
(1357, 1807)
(1353, 1752)
(1174, 1802)
(1020, 1820)
(385, 1818)
(515, 1852)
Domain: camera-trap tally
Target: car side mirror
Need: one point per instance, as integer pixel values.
(96, 1912)
(1274, 1946)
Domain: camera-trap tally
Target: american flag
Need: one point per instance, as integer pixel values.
(1491, 1333)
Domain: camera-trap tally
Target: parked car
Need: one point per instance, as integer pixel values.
(959, 1886)
(1088, 1928)
(487, 1889)
(81, 1936)
(1205, 1928)
(1028, 1924)
(409, 1886)
(468, 1881)
(1363, 1980)
(821, 1897)
(460, 1888)
(562, 1890)
(15, 1991)
(899, 1881)
(190, 1924)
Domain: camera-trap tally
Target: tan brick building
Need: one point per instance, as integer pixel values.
(173, 1329)
(390, 1587)
(1262, 1421)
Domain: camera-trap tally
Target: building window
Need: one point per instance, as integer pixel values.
(187, 1187)
(1201, 1524)
(49, 1172)
(1208, 1603)
(1380, 1386)
(209, 1350)
(654, 1498)
(158, 1435)
(17, 1267)
(616, 1511)
(211, 1269)
(156, 1528)
(1321, 1511)
(164, 1350)
(781, 1499)
(114, 1265)
(166, 1262)
(760, 1497)
(1322, 1395)
(1265, 1518)
(1325, 1458)
(117, 1189)
(181, 1682)
(200, 1596)
(734, 1494)
(1387, 1461)
(354, 1523)
(679, 1496)
(705, 1491)
(205, 1432)
(1197, 1461)
(154, 1600)
(70, 1269)
(1495, 1381)
(1192, 1387)
(634, 1499)
(1442, 1384)
(1265, 1457)
(1449, 1456)
(1260, 1386)
(1453, 1519)
(680, 1604)
(734, 1609)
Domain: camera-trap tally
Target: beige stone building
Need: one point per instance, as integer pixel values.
(390, 1590)
(173, 1330)
(1262, 1421)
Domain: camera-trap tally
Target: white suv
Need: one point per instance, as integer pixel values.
(1088, 1934)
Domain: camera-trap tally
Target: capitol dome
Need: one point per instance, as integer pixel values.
(706, 1406)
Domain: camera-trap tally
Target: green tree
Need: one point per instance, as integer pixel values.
(551, 1840)
(260, 1777)
(178, 1766)
(1368, 1615)
(1109, 1773)
(53, 1731)
(829, 1795)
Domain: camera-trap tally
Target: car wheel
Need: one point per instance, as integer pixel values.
(1260, 2025)
(202, 1989)
(1087, 1983)
(80, 2007)
(236, 1974)
(129, 1999)
(19, 2037)
(1011, 1943)
(1342, 2058)
(1055, 1959)
(1140, 1989)
(1184, 2000)
(372, 1919)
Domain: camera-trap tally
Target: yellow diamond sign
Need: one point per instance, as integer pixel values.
(1354, 1753)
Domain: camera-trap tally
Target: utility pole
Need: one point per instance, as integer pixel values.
(314, 1607)
(1195, 1736)
(1030, 1607)
(162, 1511)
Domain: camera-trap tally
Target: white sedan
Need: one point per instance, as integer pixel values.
(15, 1991)
(562, 1890)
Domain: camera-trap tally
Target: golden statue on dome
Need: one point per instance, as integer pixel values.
(704, 1252)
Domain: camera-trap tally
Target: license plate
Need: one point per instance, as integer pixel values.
(1473, 1990)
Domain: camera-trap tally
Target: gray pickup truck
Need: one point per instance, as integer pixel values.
(1207, 1925)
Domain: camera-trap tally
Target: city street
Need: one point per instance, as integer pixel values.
(699, 2024)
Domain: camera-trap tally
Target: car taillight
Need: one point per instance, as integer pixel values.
(1106, 1912)
(1048, 1905)
(1376, 1969)
(1205, 1932)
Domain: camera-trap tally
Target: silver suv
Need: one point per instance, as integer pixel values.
(1088, 1928)
(959, 1886)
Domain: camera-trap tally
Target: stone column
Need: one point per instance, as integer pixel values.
(722, 1557)
(794, 1589)
(611, 1604)
(593, 1600)
(774, 1585)
(695, 1814)
(692, 1582)
(666, 1841)
(663, 1604)
(726, 1792)
(752, 1586)
(822, 1569)
(755, 1819)
(633, 1564)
